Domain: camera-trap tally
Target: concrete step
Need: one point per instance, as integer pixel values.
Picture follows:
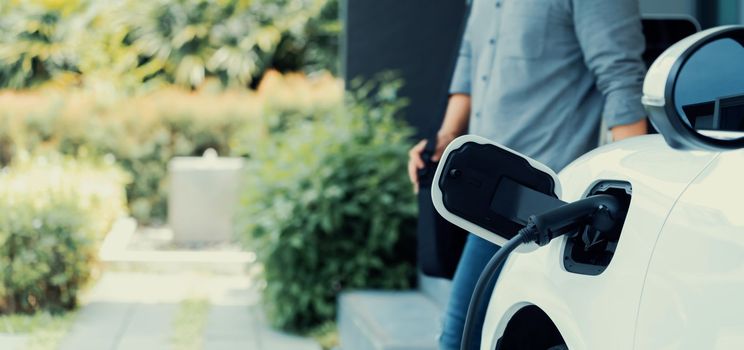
(388, 320)
(437, 289)
(225, 263)
(129, 248)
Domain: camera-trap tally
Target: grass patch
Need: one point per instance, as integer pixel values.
(189, 323)
(326, 335)
(45, 331)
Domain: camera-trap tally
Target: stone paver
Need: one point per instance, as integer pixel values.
(129, 310)
(388, 320)
(12, 341)
(269, 340)
(99, 325)
(230, 327)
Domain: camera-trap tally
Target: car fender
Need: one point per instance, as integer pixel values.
(599, 312)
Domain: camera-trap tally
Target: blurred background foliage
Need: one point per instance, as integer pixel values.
(98, 96)
(328, 207)
(54, 212)
(142, 133)
(129, 43)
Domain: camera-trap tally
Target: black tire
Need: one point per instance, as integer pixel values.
(559, 347)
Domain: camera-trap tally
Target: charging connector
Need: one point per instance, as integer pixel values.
(602, 211)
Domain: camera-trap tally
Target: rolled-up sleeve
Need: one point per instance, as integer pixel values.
(462, 74)
(612, 41)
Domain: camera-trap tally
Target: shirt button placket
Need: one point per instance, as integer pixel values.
(492, 43)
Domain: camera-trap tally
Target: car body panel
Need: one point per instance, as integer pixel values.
(583, 306)
(692, 296)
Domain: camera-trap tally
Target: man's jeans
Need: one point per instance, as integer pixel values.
(475, 256)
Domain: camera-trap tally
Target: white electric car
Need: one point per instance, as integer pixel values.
(670, 273)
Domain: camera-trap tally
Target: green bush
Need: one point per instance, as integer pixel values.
(34, 45)
(142, 133)
(130, 42)
(316, 47)
(328, 207)
(186, 41)
(53, 213)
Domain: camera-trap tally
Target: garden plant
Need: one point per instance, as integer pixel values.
(98, 97)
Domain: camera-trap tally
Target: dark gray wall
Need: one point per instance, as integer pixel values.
(688, 7)
(416, 38)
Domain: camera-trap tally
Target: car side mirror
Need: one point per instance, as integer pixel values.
(694, 92)
(491, 190)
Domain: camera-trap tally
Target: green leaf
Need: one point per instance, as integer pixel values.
(340, 204)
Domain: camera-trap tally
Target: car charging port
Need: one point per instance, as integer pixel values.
(589, 251)
(601, 211)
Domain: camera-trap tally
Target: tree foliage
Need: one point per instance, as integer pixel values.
(131, 42)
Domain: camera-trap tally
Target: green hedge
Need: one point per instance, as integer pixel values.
(142, 133)
(53, 213)
(131, 42)
(328, 207)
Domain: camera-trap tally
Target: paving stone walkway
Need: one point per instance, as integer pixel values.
(13, 342)
(136, 311)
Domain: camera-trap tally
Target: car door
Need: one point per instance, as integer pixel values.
(692, 298)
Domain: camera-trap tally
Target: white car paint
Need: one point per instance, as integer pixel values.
(601, 312)
(693, 293)
(655, 84)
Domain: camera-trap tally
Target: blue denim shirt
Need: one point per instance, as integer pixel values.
(542, 73)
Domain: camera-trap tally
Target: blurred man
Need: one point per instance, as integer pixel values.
(539, 76)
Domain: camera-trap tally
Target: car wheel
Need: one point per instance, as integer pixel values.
(559, 347)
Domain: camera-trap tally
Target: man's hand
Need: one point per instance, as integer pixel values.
(621, 132)
(454, 124)
(415, 162)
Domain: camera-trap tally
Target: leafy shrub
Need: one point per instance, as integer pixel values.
(53, 212)
(328, 207)
(142, 133)
(163, 41)
(34, 46)
(186, 41)
(315, 47)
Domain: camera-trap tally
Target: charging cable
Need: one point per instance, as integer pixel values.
(601, 211)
